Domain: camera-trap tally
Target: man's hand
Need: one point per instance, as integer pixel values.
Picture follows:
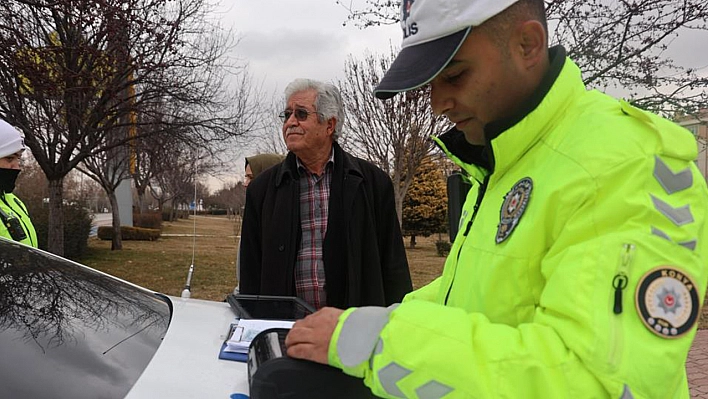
(309, 338)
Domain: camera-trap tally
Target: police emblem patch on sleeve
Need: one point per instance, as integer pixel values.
(667, 302)
(515, 202)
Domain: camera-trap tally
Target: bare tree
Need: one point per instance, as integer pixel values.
(617, 44)
(269, 137)
(109, 169)
(176, 183)
(148, 162)
(153, 154)
(231, 197)
(393, 134)
(75, 72)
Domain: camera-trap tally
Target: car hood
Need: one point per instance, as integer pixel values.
(187, 364)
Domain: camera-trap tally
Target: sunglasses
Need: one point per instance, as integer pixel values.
(301, 114)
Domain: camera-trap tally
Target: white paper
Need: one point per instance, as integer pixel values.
(247, 329)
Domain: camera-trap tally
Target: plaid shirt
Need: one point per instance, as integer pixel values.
(314, 209)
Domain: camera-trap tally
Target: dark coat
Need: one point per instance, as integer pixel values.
(364, 257)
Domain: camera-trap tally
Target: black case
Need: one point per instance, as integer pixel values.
(274, 375)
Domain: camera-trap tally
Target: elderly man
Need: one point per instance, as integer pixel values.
(580, 268)
(16, 224)
(322, 225)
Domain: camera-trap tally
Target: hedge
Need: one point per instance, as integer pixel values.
(129, 233)
(77, 227)
(149, 220)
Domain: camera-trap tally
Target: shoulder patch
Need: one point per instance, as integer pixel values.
(515, 202)
(667, 302)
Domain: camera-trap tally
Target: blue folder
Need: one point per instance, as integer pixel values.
(239, 357)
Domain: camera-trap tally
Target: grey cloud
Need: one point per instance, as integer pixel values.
(289, 45)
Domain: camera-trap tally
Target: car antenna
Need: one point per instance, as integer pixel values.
(186, 292)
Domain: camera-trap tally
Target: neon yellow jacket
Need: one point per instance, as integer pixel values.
(12, 206)
(594, 213)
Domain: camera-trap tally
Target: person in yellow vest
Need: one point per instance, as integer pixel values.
(16, 224)
(580, 266)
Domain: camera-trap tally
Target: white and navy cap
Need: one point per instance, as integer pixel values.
(433, 30)
(11, 140)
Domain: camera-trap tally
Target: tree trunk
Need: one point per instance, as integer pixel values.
(142, 206)
(413, 243)
(55, 239)
(117, 242)
(398, 199)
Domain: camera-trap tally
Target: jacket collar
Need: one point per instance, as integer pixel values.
(343, 162)
(520, 131)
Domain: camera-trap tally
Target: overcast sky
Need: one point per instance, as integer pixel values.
(283, 40)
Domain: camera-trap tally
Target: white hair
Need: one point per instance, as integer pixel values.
(328, 101)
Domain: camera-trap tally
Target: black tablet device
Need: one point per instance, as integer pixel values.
(269, 307)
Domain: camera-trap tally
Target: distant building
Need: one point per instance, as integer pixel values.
(698, 125)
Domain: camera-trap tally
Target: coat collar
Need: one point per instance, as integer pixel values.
(343, 163)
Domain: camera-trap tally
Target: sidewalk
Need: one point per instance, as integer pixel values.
(697, 366)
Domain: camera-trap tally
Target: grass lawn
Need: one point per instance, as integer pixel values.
(163, 265)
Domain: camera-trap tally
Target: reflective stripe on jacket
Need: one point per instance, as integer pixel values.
(528, 307)
(12, 206)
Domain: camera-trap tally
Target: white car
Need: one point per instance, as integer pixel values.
(69, 331)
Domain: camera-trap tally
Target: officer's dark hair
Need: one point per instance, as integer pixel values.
(498, 28)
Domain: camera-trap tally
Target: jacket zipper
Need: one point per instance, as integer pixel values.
(621, 278)
(478, 202)
(620, 281)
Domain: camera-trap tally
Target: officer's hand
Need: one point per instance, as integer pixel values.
(309, 338)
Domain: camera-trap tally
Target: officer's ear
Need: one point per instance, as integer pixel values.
(529, 44)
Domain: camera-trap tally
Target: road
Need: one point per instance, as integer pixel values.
(100, 219)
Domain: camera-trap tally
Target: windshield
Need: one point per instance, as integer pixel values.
(68, 331)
